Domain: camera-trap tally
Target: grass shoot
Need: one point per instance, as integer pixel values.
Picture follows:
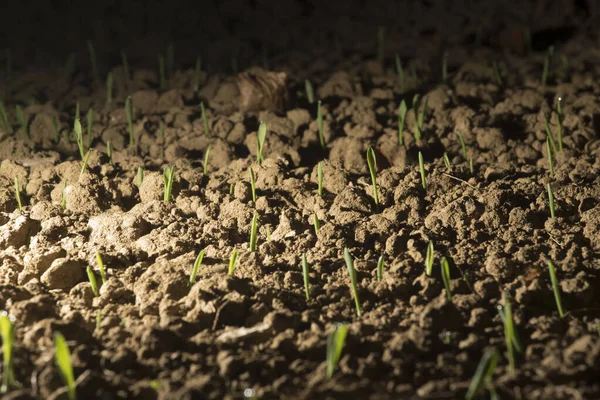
(196, 267)
(7, 334)
(380, 266)
(79, 137)
(400, 71)
(168, 176)
(253, 232)
(559, 127)
(550, 200)
(422, 171)
(483, 375)
(549, 152)
(352, 272)
(22, 121)
(305, 276)
(93, 63)
(204, 118)
(310, 91)
(233, 262)
(446, 277)
(420, 108)
(546, 68)
(320, 178)
(462, 144)
(90, 122)
(205, 163)
(62, 355)
(497, 75)
(320, 124)
(109, 152)
(4, 119)
(372, 162)
(18, 193)
(101, 267)
(261, 135)
(430, 256)
(402, 109)
(129, 114)
(316, 223)
(84, 163)
(93, 282)
(556, 289)
(253, 185)
(335, 344)
(125, 64)
(446, 160)
(139, 177)
(510, 334)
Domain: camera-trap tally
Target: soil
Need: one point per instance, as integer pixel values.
(254, 333)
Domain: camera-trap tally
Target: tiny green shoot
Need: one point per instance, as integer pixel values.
(559, 127)
(93, 63)
(90, 122)
(261, 135)
(335, 344)
(556, 289)
(7, 334)
(549, 133)
(22, 121)
(420, 108)
(320, 124)
(205, 164)
(168, 176)
(316, 223)
(462, 144)
(233, 262)
(549, 152)
(109, 88)
(305, 276)
(400, 71)
(92, 278)
(84, 163)
(109, 152)
(98, 319)
(510, 335)
(253, 185)
(422, 171)
(380, 266)
(139, 177)
(79, 137)
(429, 258)
(204, 118)
(101, 267)
(402, 109)
(550, 200)
(497, 75)
(196, 267)
(446, 160)
(372, 162)
(4, 118)
(320, 178)
(446, 277)
(483, 375)
(62, 356)
(310, 92)
(352, 272)
(125, 64)
(18, 193)
(129, 114)
(253, 232)
(197, 74)
(546, 69)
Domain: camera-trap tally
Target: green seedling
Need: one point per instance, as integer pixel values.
(93, 282)
(400, 71)
(497, 75)
(429, 258)
(79, 137)
(550, 200)
(462, 144)
(253, 232)
(268, 233)
(402, 109)
(101, 267)
(90, 122)
(233, 262)
(98, 319)
(446, 160)
(380, 266)
(446, 277)
(4, 119)
(93, 63)
(546, 69)
(84, 163)
(63, 198)
(422, 171)
(69, 68)
(55, 129)
(18, 193)
(109, 88)
(483, 375)
(372, 162)
(168, 176)
(549, 152)
(253, 185)
(197, 74)
(381, 44)
(205, 164)
(510, 334)
(316, 224)
(261, 135)
(231, 189)
(125, 65)
(556, 289)
(559, 128)
(109, 152)
(310, 92)
(22, 121)
(549, 133)
(420, 109)
(62, 355)
(335, 344)
(129, 114)
(170, 59)
(139, 178)
(471, 166)
(7, 334)
(161, 73)
(320, 178)
(352, 273)
(445, 68)
(204, 119)
(305, 276)
(320, 124)
(196, 267)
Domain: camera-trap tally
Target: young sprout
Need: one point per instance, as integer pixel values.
(320, 124)
(84, 163)
(109, 88)
(205, 164)
(420, 109)
(422, 170)
(231, 188)
(310, 92)
(197, 74)
(316, 224)
(400, 71)
(125, 64)
(320, 178)
(93, 281)
(63, 198)
(305, 276)
(372, 162)
(261, 135)
(170, 59)
(497, 75)
(335, 343)
(402, 109)
(69, 68)
(556, 289)
(510, 335)
(471, 166)
(196, 267)
(139, 178)
(18, 193)
(430, 256)
(7, 334)
(4, 118)
(352, 273)
(204, 119)
(22, 121)
(233, 262)
(446, 160)
(129, 114)
(268, 233)
(62, 355)
(446, 277)
(550, 199)
(55, 129)
(90, 122)
(253, 185)
(93, 63)
(380, 265)
(161, 72)
(381, 44)
(462, 144)
(101, 267)
(549, 151)
(559, 128)
(168, 175)
(79, 137)
(547, 61)
(549, 136)
(98, 319)
(109, 152)
(253, 232)
(483, 375)
(445, 67)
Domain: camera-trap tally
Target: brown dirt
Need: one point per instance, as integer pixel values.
(160, 338)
